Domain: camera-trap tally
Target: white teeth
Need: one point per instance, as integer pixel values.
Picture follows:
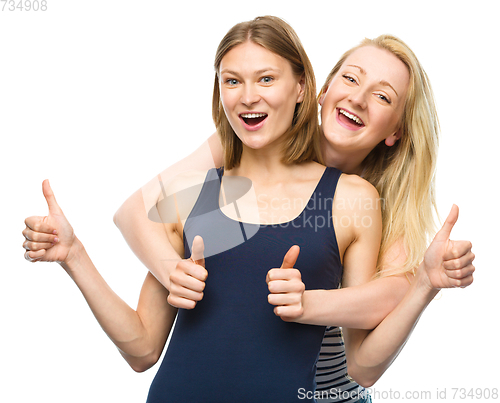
(253, 115)
(352, 117)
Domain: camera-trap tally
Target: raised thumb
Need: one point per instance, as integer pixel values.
(291, 257)
(49, 196)
(445, 231)
(197, 251)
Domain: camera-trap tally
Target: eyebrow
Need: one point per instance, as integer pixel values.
(383, 82)
(257, 73)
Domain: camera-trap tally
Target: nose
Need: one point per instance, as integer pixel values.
(358, 97)
(250, 95)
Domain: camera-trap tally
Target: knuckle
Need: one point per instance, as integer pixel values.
(174, 277)
(203, 275)
(271, 286)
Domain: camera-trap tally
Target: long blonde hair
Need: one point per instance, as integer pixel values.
(404, 173)
(275, 35)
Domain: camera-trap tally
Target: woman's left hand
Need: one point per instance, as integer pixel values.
(447, 263)
(286, 287)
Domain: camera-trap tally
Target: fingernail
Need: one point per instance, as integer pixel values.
(56, 239)
(54, 232)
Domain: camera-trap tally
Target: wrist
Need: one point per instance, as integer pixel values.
(423, 284)
(74, 257)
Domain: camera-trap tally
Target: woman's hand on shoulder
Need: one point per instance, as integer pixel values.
(448, 263)
(49, 238)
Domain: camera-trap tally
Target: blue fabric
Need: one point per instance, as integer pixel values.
(232, 347)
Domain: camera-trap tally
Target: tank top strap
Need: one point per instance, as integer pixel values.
(328, 183)
(208, 200)
(322, 197)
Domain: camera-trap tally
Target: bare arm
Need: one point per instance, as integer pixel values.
(139, 335)
(148, 239)
(348, 306)
(446, 264)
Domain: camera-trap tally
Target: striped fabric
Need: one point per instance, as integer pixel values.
(332, 381)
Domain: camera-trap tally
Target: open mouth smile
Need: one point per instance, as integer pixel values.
(349, 120)
(253, 121)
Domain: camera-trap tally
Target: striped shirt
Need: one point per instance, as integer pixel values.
(332, 382)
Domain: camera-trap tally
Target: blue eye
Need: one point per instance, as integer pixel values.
(384, 98)
(266, 80)
(232, 81)
(349, 78)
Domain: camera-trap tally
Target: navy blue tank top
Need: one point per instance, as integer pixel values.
(232, 347)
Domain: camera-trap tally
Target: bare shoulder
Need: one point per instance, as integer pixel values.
(356, 189)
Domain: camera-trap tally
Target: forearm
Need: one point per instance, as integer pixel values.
(147, 239)
(120, 322)
(360, 307)
(144, 232)
(369, 359)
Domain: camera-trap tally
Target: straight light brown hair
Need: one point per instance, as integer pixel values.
(275, 35)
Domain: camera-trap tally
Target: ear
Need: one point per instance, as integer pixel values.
(393, 138)
(302, 89)
(322, 96)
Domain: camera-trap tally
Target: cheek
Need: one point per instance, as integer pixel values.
(228, 102)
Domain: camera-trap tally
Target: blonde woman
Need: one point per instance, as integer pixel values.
(405, 144)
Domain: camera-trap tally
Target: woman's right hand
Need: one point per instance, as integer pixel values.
(49, 238)
(187, 281)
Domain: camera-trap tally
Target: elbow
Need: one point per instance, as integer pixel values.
(365, 383)
(365, 377)
(118, 216)
(142, 364)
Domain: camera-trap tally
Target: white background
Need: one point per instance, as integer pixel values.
(100, 96)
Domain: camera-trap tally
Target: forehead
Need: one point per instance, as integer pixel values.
(250, 56)
(380, 65)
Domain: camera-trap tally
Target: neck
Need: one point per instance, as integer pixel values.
(259, 164)
(347, 161)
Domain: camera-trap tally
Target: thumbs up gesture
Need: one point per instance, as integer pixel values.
(187, 281)
(286, 287)
(448, 263)
(49, 238)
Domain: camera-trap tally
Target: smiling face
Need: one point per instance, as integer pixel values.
(364, 101)
(259, 93)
